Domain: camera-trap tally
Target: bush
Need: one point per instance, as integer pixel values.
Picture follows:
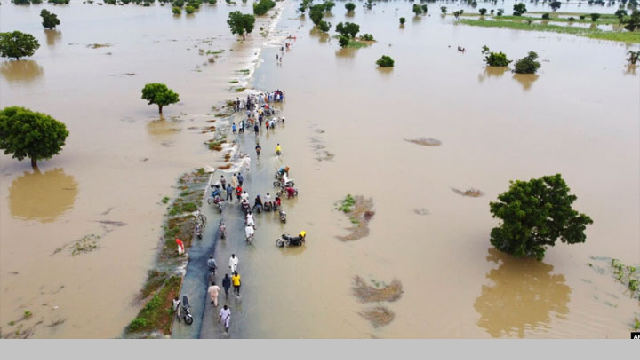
(350, 6)
(571, 19)
(528, 64)
(366, 37)
(582, 17)
(385, 61)
(519, 9)
(402, 20)
(137, 324)
(534, 215)
(497, 59)
(176, 10)
(263, 7)
(545, 16)
(594, 16)
(324, 26)
(344, 41)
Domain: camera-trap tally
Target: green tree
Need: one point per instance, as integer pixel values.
(343, 41)
(28, 134)
(176, 10)
(328, 5)
(633, 57)
(324, 26)
(416, 9)
(385, 61)
(534, 215)
(594, 16)
(240, 23)
(519, 9)
(402, 20)
(633, 22)
(263, 7)
(348, 29)
(500, 12)
(350, 7)
(366, 37)
(190, 9)
(16, 45)
(528, 64)
(443, 9)
(482, 11)
(545, 16)
(49, 19)
(496, 59)
(555, 5)
(425, 8)
(316, 13)
(20, 2)
(621, 14)
(159, 94)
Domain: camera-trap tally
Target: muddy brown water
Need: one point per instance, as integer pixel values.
(578, 116)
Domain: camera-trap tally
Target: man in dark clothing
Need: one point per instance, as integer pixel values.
(229, 192)
(240, 179)
(226, 284)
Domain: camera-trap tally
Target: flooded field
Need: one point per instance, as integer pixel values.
(347, 125)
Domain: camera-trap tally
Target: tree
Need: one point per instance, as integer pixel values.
(528, 64)
(366, 37)
(633, 57)
(189, 9)
(500, 12)
(594, 16)
(176, 10)
(402, 20)
(534, 215)
(385, 61)
(316, 13)
(343, 41)
(425, 8)
(443, 9)
(496, 59)
(350, 7)
(416, 9)
(240, 23)
(555, 5)
(28, 134)
(482, 11)
(16, 45)
(348, 29)
(324, 26)
(621, 14)
(545, 16)
(633, 21)
(160, 95)
(328, 5)
(519, 9)
(263, 7)
(49, 19)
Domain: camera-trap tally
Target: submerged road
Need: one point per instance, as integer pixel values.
(259, 180)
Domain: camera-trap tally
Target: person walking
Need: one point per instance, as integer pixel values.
(176, 307)
(233, 263)
(223, 182)
(214, 291)
(234, 181)
(240, 179)
(235, 280)
(225, 316)
(229, 192)
(226, 284)
(239, 192)
(233, 127)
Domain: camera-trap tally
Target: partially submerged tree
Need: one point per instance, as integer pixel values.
(316, 13)
(241, 24)
(343, 41)
(534, 215)
(263, 6)
(425, 8)
(189, 9)
(28, 134)
(500, 12)
(49, 19)
(633, 22)
(545, 16)
(496, 59)
(159, 94)
(443, 9)
(482, 11)
(555, 5)
(348, 29)
(17, 45)
(402, 20)
(176, 10)
(416, 9)
(633, 57)
(328, 5)
(528, 64)
(594, 16)
(519, 9)
(350, 7)
(621, 14)
(324, 26)
(385, 61)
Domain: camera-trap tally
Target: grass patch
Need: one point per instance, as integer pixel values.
(244, 71)
(215, 52)
(627, 37)
(347, 204)
(240, 89)
(553, 17)
(165, 199)
(381, 292)
(157, 314)
(233, 82)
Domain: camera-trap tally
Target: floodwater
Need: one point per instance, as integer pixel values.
(119, 161)
(578, 116)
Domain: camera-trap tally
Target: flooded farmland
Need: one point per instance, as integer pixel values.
(346, 128)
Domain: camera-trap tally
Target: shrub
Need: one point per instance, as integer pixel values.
(402, 20)
(366, 37)
(497, 59)
(344, 41)
(582, 17)
(176, 10)
(350, 6)
(528, 64)
(385, 61)
(137, 324)
(545, 16)
(324, 26)
(594, 16)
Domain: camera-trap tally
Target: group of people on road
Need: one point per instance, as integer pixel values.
(227, 282)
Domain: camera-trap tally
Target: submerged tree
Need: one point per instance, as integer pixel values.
(534, 215)
(348, 29)
(16, 45)
(519, 9)
(343, 41)
(416, 9)
(594, 16)
(241, 24)
(528, 64)
(633, 21)
(159, 94)
(385, 61)
(402, 20)
(621, 14)
(443, 9)
(350, 7)
(28, 134)
(633, 57)
(49, 19)
(555, 5)
(324, 26)
(495, 59)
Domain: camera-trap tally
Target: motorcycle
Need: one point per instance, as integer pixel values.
(268, 206)
(217, 201)
(287, 241)
(198, 231)
(186, 310)
(223, 229)
(283, 216)
(282, 184)
(280, 193)
(246, 207)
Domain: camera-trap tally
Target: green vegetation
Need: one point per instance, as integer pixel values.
(347, 204)
(416, 9)
(385, 61)
(348, 29)
(425, 8)
(555, 5)
(443, 9)
(157, 314)
(176, 10)
(534, 215)
(402, 20)
(17, 45)
(628, 37)
(528, 64)
(350, 7)
(49, 19)
(482, 11)
(328, 5)
(165, 199)
(343, 41)
(633, 22)
(262, 7)
(366, 37)
(58, 2)
(495, 59)
(324, 26)
(594, 16)
(519, 9)
(190, 9)
(241, 24)
(316, 13)
(27, 314)
(159, 94)
(28, 134)
(304, 5)
(545, 16)
(633, 57)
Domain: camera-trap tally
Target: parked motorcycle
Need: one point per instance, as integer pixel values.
(268, 206)
(288, 241)
(283, 216)
(198, 230)
(223, 229)
(186, 311)
(217, 201)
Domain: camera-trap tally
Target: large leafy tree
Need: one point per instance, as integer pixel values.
(633, 21)
(519, 9)
(350, 7)
(348, 29)
(555, 5)
(159, 94)
(16, 45)
(316, 13)
(28, 134)
(241, 24)
(528, 64)
(49, 19)
(534, 215)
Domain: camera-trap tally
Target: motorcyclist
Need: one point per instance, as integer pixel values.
(283, 170)
(267, 200)
(216, 192)
(211, 263)
(278, 149)
(278, 202)
(257, 203)
(290, 192)
(296, 241)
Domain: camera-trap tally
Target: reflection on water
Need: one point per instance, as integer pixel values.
(492, 71)
(521, 297)
(162, 128)
(631, 70)
(42, 196)
(526, 80)
(346, 53)
(21, 70)
(53, 36)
